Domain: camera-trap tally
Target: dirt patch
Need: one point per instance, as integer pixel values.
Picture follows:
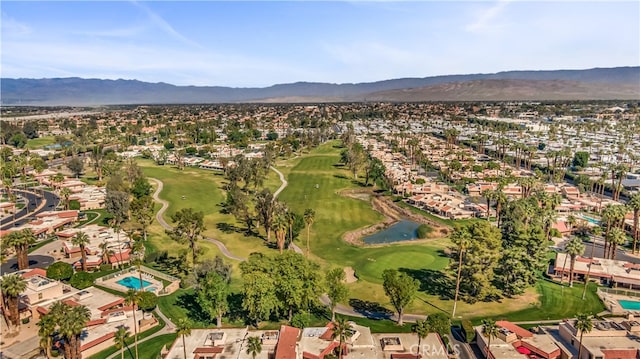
(392, 213)
(350, 275)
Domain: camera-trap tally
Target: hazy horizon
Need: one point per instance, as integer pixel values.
(260, 44)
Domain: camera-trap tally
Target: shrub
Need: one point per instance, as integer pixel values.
(26, 320)
(467, 329)
(81, 280)
(74, 205)
(148, 301)
(300, 320)
(60, 271)
(424, 231)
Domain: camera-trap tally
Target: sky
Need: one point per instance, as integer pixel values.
(258, 44)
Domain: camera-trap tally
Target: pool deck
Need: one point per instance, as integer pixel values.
(610, 301)
(112, 283)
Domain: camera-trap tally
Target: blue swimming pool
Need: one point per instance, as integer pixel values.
(629, 304)
(591, 220)
(133, 282)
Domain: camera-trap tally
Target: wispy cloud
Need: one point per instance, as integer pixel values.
(12, 27)
(487, 18)
(161, 23)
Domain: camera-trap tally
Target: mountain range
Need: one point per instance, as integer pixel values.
(590, 84)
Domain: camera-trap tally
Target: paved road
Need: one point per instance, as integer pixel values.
(34, 205)
(598, 251)
(35, 261)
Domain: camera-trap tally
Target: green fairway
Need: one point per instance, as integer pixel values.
(408, 257)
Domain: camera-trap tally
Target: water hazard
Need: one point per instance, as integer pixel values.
(404, 230)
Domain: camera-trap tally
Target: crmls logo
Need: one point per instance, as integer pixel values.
(427, 350)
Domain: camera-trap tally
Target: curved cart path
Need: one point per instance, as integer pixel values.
(167, 226)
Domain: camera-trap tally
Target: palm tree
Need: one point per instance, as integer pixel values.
(634, 205)
(120, 336)
(596, 232)
(132, 297)
(462, 239)
(81, 240)
(490, 329)
(583, 324)
(254, 346)
(106, 252)
(72, 321)
(616, 237)
(341, 331)
(574, 248)
(46, 328)
(183, 328)
(309, 217)
(422, 329)
(12, 286)
(65, 193)
(280, 227)
(20, 241)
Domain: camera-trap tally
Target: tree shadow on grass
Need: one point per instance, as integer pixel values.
(188, 301)
(432, 282)
(371, 310)
(228, 228)
(340, 176)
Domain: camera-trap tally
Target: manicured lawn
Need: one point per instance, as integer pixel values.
(40, 142)
(150, 349)
(558, 302)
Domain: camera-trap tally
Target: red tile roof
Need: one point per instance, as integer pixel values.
(286, 348)
(35, 271)
(620, 353)
(520, 332)
(405, 356)
(112, 304)
(97, 341)
(210, 350)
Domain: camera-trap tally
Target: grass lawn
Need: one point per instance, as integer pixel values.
(40, 142)
(559, 302)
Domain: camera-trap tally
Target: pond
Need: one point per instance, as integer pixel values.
(404, 230)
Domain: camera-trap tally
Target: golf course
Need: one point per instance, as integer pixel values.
(315, 180)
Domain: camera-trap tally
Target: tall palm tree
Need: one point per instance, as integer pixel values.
(119, 337)
(20, 241)
(183, 328)
(46, 329)
(634, 205)
(12, 286)
(132, 298)
(616, 237)
(422, 329)
(254, 346)
(106, 252)
(65, 193)
(309, 217)
(72, 321)
(596, 232)
(341, 331)
(462, 239)
(81, 240)
(574, 248)
(490, 329)
(583, 324)
(280, 228)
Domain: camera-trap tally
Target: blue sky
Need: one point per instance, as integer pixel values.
(246, 44)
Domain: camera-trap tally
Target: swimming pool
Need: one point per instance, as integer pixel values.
(591, 220)
(133, 282)
(629, 304)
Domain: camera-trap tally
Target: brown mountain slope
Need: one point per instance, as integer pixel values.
(505, 90)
